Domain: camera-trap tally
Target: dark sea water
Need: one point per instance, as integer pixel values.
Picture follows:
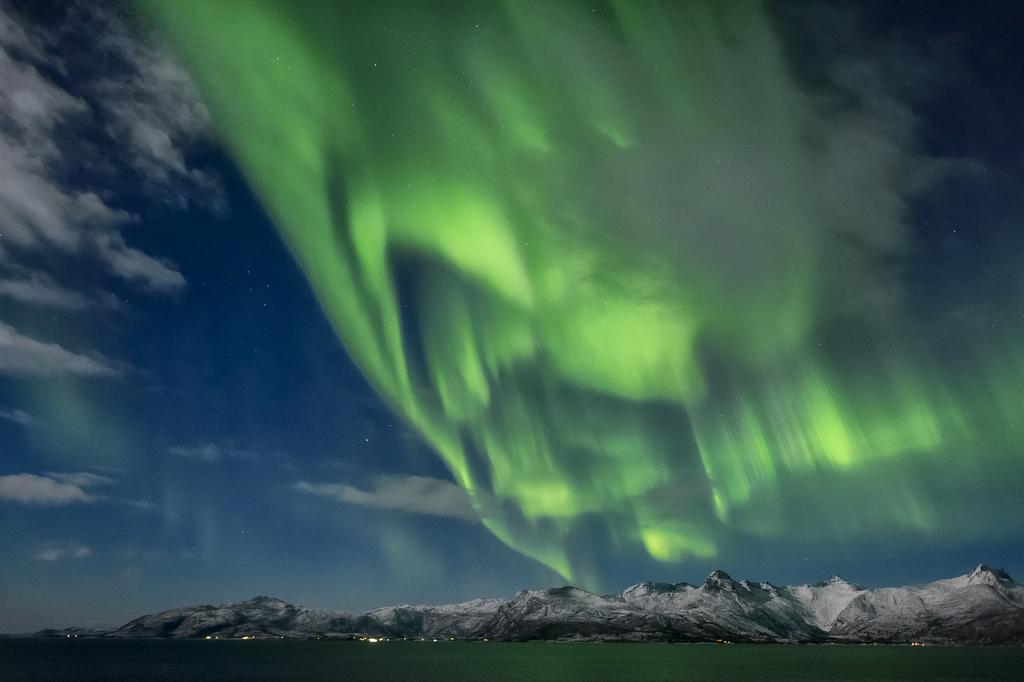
(26, 659)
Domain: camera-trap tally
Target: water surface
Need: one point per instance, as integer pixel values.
(26, 659)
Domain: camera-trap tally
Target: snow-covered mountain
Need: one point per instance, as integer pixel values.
(984, 606)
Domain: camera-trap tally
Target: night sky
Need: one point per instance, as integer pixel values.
(357, 304)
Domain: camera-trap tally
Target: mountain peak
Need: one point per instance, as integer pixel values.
(565, 591)
(837, 581)
(649, 587)
(264, 601)
(719, 579)
(987, 574)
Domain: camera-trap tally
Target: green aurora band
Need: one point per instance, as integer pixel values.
(606, 263)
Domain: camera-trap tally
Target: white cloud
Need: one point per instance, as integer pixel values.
(17, 416)
(39, 289)
(414, 494)
(130, 264)
(137, 504)
(17, 36)
(56, 170)
(208, 452)
(57, 552)
(155, 111)
(81, 479)
(37, 210)
(42, 490)
(57, 488)
(26, 356)
(149, 111)
(211, 453)
(34, 209)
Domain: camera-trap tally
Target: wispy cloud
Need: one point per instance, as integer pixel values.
(17, 416)
(82, 479)
(153, 106)
(23, 355)
(39, 289)
(57, 489)
(58, 552)
(413, 494)
(137, 504)
(52, 489)
(211, 453)
(132, 265)
(39, 210)
(145, 114)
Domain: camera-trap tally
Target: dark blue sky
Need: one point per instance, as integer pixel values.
(233, 390)
(169, 383)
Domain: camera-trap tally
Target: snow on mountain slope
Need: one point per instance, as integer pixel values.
(826, 600)
(754, 611)
(983, 606)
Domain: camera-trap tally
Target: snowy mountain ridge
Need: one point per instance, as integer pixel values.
(985, 606)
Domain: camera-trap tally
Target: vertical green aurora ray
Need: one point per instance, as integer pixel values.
(580, 251)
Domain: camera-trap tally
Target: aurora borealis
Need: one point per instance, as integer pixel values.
(363, 303)
(610, 263)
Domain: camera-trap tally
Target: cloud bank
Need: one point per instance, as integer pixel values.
(26, 356)
(74, 141)
(41, 210)
(412, 494)
(53, 490)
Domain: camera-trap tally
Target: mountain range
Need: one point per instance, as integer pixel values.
(985, 606)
